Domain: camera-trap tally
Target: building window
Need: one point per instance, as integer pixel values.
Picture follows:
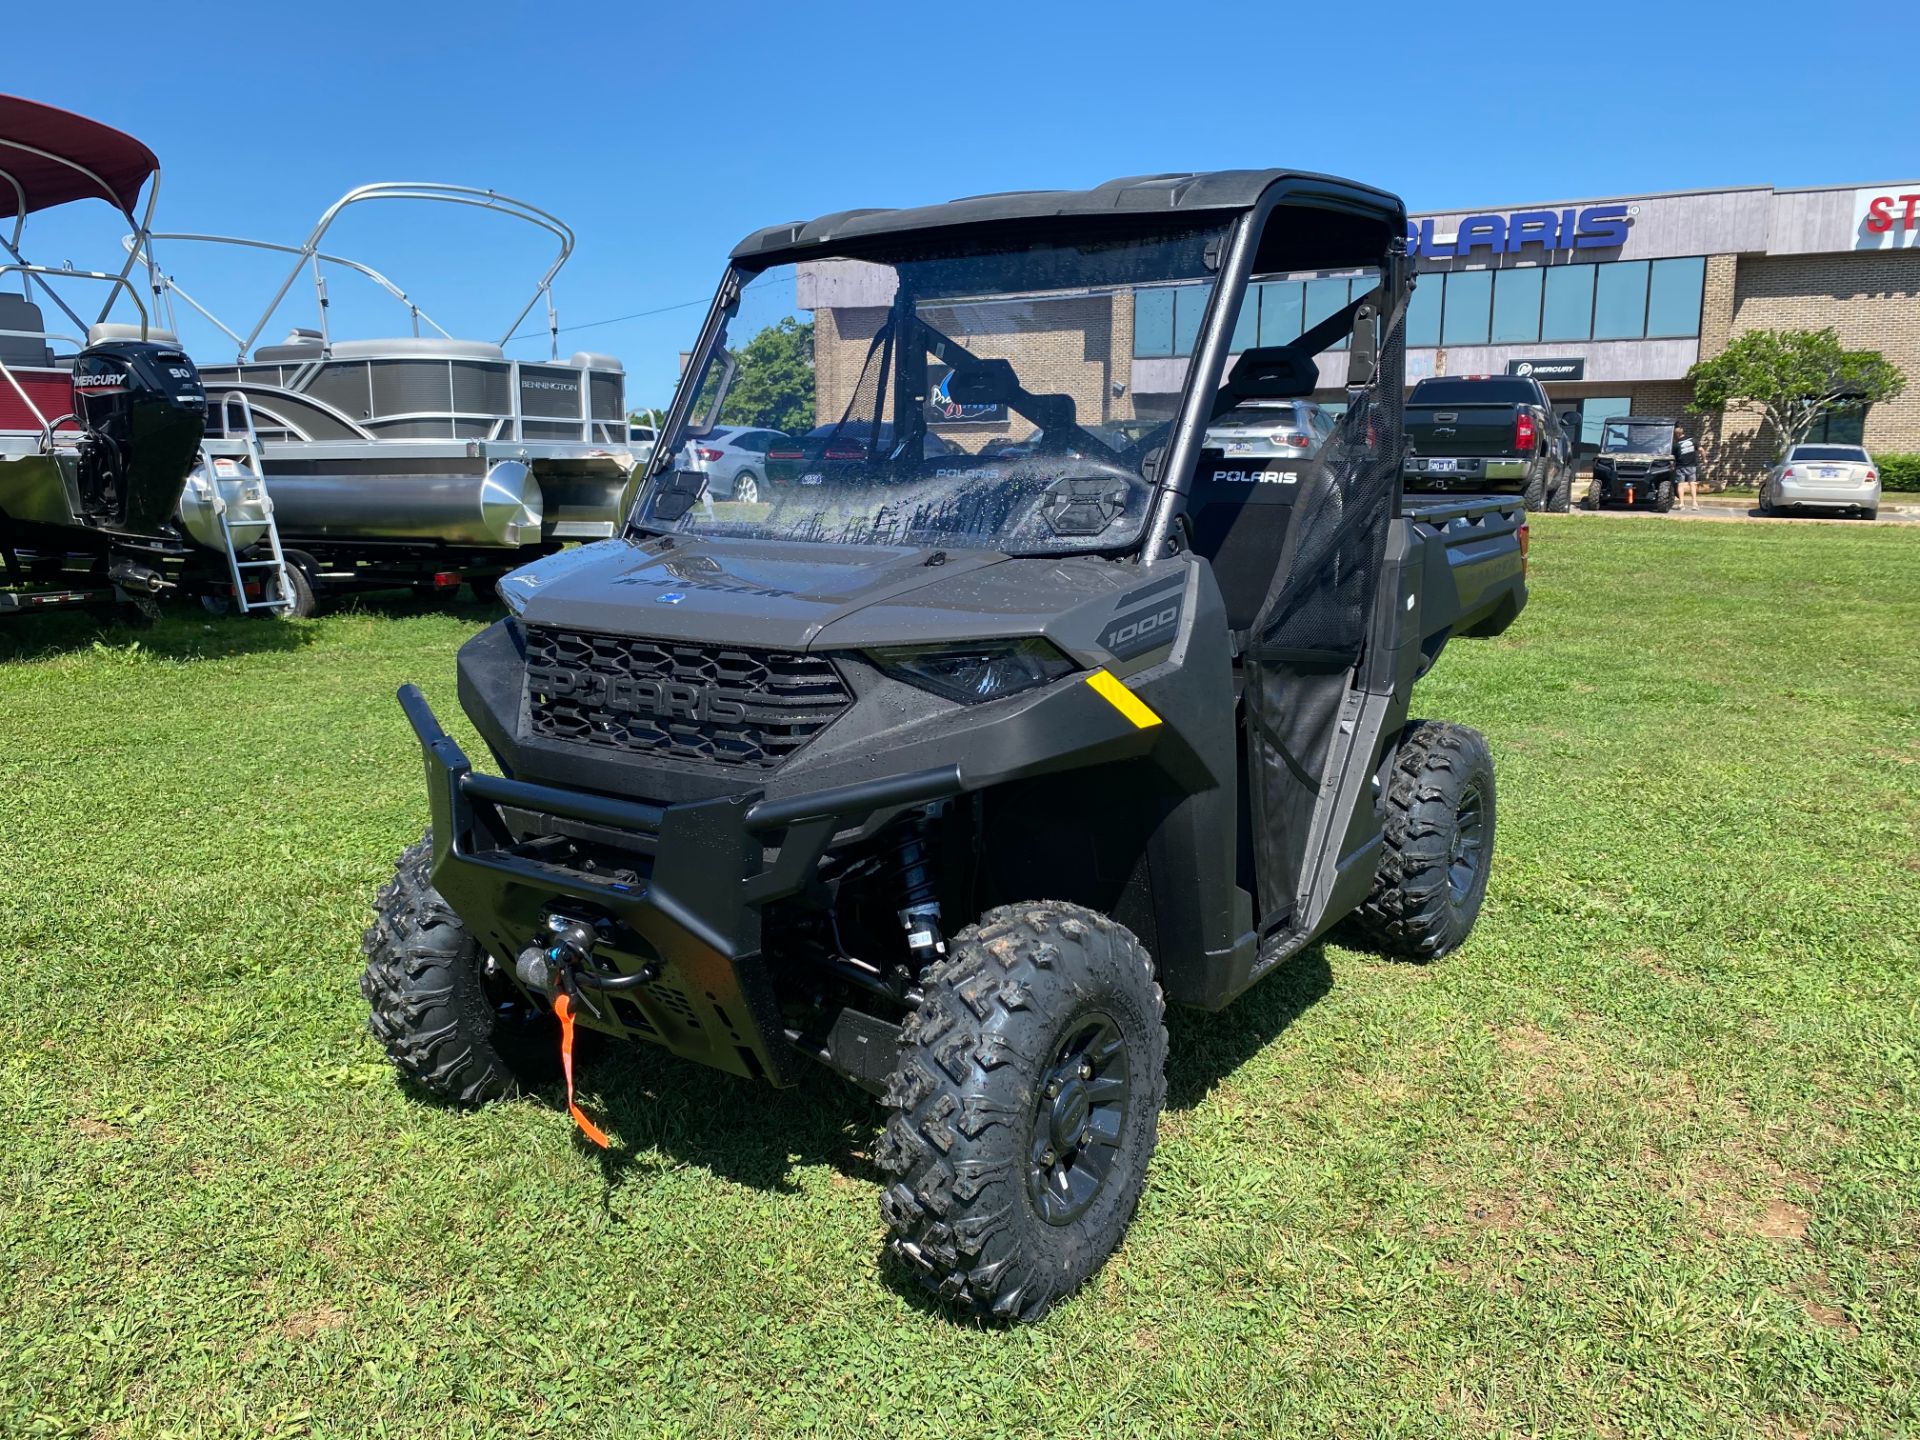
(1423, 311)
(1568, 311)
(1525, 305)
(1326, 298)
(1246, 329)
(1839, 427)
(1189, 308)
(1595, 411)
(1281, 303)
(1516, 306)
(1468, 303)
(1153, 322)
(1673, 296)
(1620, 300)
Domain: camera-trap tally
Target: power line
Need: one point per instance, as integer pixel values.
(637, 315)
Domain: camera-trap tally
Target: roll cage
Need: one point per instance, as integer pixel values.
(1343, 225)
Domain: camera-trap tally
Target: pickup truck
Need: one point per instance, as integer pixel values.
(1487, 434)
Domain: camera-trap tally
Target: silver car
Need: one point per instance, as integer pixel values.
(1823, 477)
(1271, 430)
(734, 460)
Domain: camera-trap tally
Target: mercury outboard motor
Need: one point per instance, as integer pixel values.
(143, 411)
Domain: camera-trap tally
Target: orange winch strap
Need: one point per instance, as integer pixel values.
(563, 1007)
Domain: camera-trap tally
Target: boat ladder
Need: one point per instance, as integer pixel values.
(239, 446)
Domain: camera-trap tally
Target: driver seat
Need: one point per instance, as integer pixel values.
(1240, 510)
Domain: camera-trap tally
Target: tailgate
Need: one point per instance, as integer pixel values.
(1461, 430)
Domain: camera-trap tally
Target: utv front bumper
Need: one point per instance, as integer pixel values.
(676, 887)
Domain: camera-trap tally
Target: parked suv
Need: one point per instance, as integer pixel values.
(1271, 430)
(1823, 477)
(843, 447)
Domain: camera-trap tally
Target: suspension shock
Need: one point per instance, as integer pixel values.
(920, 915)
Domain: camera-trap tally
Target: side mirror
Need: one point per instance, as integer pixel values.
(677, 492)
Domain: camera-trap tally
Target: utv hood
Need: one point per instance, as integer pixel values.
(775, 594)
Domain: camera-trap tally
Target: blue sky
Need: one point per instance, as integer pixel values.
(664, 133)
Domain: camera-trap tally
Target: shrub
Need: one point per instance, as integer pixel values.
(1899, 472)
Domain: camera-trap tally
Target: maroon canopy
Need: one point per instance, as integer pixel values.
(121, 162)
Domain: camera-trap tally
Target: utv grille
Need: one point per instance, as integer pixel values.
(723, 704)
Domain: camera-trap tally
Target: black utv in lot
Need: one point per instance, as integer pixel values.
(1634, 468)
(946, 767)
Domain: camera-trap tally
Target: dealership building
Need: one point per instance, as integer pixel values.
(1608, 301)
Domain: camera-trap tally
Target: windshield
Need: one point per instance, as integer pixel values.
(1851, 453)
(1636, 438)
(975, 398)
(1473, 392)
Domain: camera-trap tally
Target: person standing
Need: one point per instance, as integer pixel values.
(1686, 468)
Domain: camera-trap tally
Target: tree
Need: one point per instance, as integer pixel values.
(1793, 377)
(773, 387)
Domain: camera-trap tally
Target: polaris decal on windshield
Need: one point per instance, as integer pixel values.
(1149, 618)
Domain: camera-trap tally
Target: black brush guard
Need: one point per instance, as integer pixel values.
(687, 897)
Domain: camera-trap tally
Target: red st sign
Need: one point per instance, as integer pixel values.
(1885, 212)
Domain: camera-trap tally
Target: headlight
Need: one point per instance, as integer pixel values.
(976, 671)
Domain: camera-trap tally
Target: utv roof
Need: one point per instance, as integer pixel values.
(1640, 420)
(1219, 192)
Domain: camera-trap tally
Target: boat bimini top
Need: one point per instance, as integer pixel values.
(51, 157)
(314, 388)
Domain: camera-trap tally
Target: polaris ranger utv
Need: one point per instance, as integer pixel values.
(1634, 467)
(943, 766)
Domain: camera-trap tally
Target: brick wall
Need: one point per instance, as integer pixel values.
(1078, 347)
(1872, 298)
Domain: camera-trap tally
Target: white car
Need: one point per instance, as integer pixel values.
(734, 460)
(1271, 430)
(1823, 477)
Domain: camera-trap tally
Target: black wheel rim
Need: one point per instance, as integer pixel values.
(1079, 1115)
(1469, 844)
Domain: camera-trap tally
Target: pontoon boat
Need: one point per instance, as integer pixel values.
(424, 458)
(108, 485)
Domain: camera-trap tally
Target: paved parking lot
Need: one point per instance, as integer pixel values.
(1894, 509)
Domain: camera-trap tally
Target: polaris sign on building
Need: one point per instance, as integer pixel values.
(1592, 227)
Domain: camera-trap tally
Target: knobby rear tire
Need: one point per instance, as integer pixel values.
(1418, 910)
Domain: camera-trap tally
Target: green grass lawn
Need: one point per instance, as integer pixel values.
(1642, 1159)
